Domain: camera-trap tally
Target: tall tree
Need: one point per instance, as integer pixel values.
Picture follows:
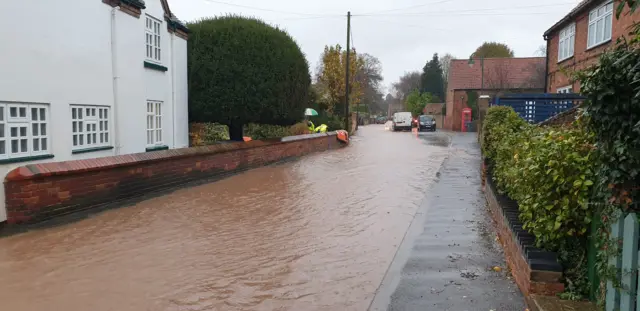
(445, 64)
(408, 82)
(431, 79)
(370, 77)
(266, 82)
(537, 76)
(416, 102)
(492, 49)
(332, 74)
(391, 103)
(499, 76)
(541, 51)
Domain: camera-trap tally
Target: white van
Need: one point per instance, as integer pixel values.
(402, 121)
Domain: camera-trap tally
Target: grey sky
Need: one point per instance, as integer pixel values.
(403, 34)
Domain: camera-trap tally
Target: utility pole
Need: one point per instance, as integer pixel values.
(346, 97)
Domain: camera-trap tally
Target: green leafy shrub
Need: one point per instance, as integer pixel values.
(266, 131)
(333, 123)
(550, 177)
(242, 70)
(549, 172)
(612, 113)
(499, 122)
(201, 134)
(215, 132)
(299, 129)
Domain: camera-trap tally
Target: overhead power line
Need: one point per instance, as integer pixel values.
(503, 9)
(405, 24)
(410, 7)
(270, 10)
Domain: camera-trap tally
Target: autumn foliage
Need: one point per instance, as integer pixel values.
(332, 76)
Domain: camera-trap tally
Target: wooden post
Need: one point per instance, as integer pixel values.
(629, 263)
(613, 294)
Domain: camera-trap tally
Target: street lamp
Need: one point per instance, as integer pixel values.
(471, 63)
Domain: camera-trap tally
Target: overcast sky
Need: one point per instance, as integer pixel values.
(403, 34)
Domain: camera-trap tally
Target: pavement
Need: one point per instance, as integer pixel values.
(449, 259)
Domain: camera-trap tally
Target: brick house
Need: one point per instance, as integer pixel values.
(576, 41)
(501, 75)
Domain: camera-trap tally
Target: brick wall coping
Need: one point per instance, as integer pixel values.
(33, 171)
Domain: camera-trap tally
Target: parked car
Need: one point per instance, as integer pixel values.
(426, 122)
(402, 121)
(381, 120)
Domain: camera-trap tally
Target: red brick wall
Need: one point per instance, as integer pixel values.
(582, 57)
(40, 191)
(456, 101)
(529, 281)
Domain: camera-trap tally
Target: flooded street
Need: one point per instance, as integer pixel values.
(317, 233)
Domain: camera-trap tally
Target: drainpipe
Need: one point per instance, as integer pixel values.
(546, 65)
(114, 72)
(173, 89)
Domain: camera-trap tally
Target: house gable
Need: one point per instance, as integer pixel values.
(131, 7)
(135, 7)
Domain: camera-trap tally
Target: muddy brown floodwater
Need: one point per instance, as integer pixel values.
(314, 234)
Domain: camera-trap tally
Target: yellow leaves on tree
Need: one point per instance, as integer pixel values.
(333, 73)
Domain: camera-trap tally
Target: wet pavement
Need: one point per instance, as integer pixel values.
(314, 234)
(319, 233)
(447, 259)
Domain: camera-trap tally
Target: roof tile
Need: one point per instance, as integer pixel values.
(501, 73)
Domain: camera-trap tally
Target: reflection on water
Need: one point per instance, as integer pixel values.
(315, 234)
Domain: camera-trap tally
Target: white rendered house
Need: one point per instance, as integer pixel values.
(85, 79)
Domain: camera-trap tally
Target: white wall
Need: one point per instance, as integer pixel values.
(181, 100)
(61, 55)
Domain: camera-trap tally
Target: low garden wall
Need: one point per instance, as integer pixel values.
(38, 192)
(535, 271)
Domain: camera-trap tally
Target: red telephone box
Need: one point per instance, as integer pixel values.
(466, 118)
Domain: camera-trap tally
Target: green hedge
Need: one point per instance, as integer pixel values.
(499, 121)
(210, 133)
(549, 172)
(266, 131)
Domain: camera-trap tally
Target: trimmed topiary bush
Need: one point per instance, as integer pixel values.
(241, 71)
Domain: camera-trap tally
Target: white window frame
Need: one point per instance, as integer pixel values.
(153, 52)
(31, 125)
(566, 42)
(155, 135)
(602, 15)
(90, 126)
(565, 90)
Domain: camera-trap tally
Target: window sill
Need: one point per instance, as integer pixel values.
(157, 148)
(94, 149)
(598, 45)
(565, 59)
(27, 159)
(153, 66)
